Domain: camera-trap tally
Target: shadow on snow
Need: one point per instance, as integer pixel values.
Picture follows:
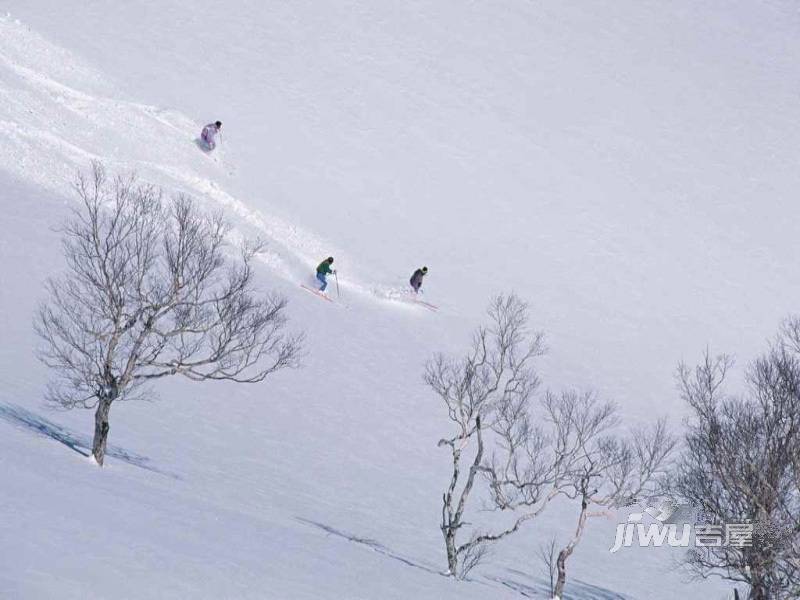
(535, 588)
(540, 588)
(26, 419)
(369, 543)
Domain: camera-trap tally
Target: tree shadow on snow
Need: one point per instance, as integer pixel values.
(540, 588)
(25, 419)
(373, 545)
(533, 588)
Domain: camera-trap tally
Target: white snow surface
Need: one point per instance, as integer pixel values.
(630, 168)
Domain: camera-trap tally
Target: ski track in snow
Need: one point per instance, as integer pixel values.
(60, 115)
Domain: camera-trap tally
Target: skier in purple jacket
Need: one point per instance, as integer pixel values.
(209, 134)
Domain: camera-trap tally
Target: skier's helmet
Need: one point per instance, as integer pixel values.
(218, 124)
(424, 269)
(330, 259)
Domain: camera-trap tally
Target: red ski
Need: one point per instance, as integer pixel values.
(315, 292)
(427, 305)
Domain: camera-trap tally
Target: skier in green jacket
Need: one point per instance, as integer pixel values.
(322, 271)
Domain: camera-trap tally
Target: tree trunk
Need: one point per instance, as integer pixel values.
(561, 565)
(561, 561)
(450, 546)
(759, 589)
(757, 592)
(451, 520)
(101, 427)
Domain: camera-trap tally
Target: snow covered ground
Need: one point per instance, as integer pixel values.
(628, 167)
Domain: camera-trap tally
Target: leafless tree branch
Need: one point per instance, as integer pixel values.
(151, 291)
(740, 465)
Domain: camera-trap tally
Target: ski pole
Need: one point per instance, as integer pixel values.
(336, 276)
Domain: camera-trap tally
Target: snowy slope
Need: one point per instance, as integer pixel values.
(627, 167)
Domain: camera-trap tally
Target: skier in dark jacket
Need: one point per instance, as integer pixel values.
(322, 271)
(416, 279)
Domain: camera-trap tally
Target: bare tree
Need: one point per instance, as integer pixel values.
(740, 465)
(526, 455)
(547, 556)
(606, 469)
(529, 454)
(152, 291)
(496, 374)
